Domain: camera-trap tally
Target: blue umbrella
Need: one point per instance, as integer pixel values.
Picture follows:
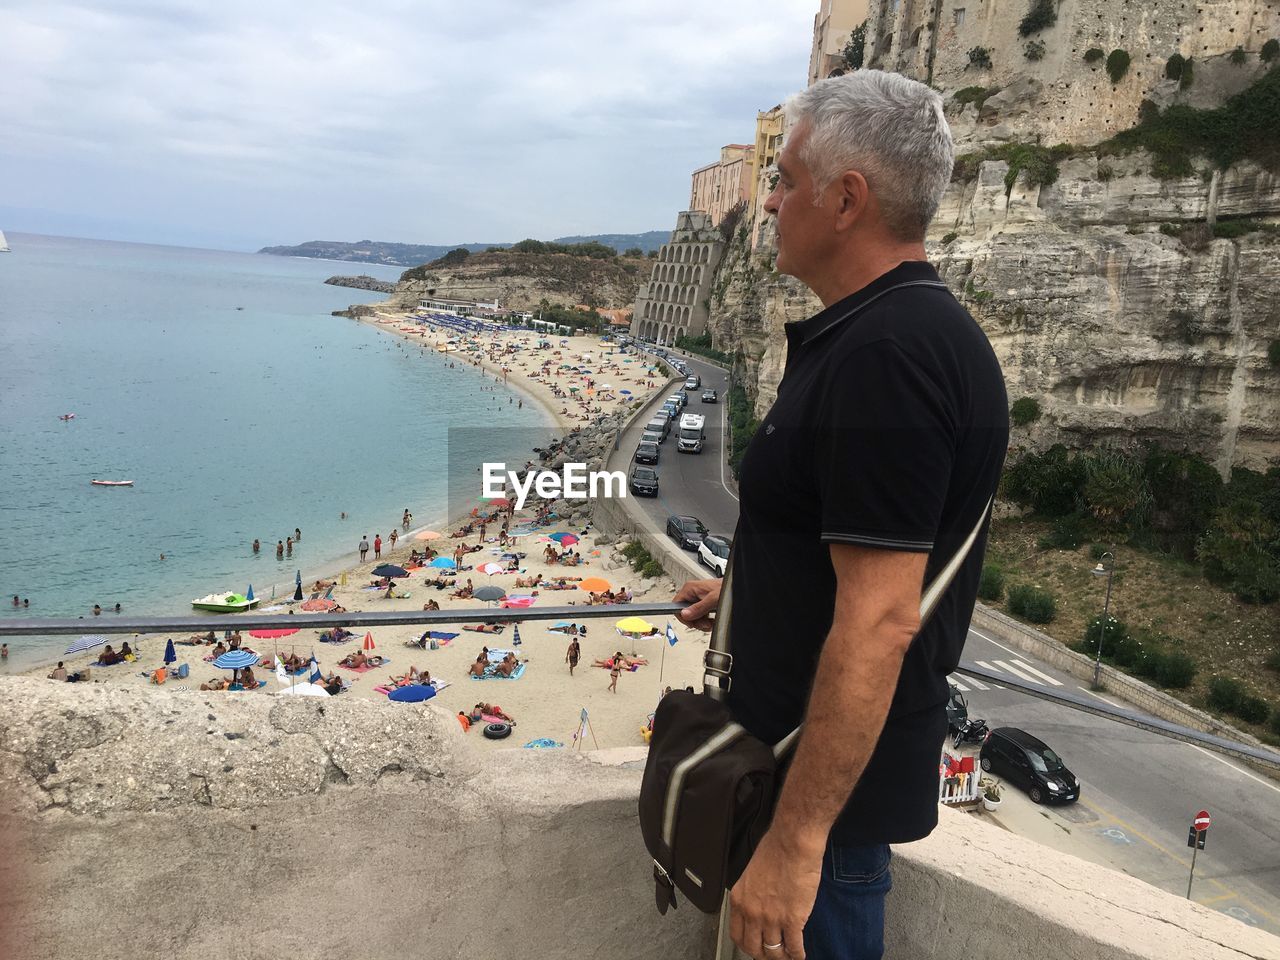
(297, 578)
(412, 694)
(445, 562)
(515, 640)
(170, 654)
(389, 570)
(87, 642)
(557, 537)
(236, 660)
(248, 594)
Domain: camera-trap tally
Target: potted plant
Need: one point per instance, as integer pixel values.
(990, 794)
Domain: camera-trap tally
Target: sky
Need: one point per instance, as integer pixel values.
(244, 123)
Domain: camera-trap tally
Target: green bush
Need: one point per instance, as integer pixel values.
(1273, 660)
(980, 57)
(1188, 75)
(1186, 492)
(975, 94)
(1041, 15)
(1115, 490)
(652, 568)
(1173, 66)
(1270, 50)
(1273, 353)
(1024, 410)
(1032, 604)
(1117, 634)
(633, 549)
(1048, 483)
(948, 237)
(1240, 549)
(1117, 64)
(1067, 533)
(1034, 50)
(991, 583)
(1106, 173)
(1253, 710)
(1238, 56)
(1093, 55)
(1176, 670)
(1274, 724)
(1147, 662)
(1225, 694)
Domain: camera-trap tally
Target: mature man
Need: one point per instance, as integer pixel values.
(873, 466)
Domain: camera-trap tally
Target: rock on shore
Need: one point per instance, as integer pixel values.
(363, 282)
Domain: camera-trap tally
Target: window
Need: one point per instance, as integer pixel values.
(959, 15)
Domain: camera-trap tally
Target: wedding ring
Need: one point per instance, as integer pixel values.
(773, 946)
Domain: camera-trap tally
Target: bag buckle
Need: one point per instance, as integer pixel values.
(664, 890)
(717, 665)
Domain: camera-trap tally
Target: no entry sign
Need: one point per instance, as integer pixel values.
(1201, 821)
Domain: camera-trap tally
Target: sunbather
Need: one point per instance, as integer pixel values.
(354, 660)
(478, 668)
(492, 710)
(247, 678)
(218, 684)
(507, 665)
(431, 605)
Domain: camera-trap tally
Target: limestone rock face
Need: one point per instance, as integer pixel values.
(1124, 333)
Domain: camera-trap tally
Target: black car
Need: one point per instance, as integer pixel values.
(1028, 763)
(644, 481)
(709, 396)
(647, 452)
(686, 531)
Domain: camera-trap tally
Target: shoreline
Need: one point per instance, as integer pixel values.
(547, 700)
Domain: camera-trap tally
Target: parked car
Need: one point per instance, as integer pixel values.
(686, 531)
(647, 452)
(713, 552)
(670, 409)
(651, 434)
(1028, 763)
(709, 396)
(680, 403)
(644, 481)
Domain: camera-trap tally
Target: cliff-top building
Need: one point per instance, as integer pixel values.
(832, 25)
(719, 187)
(674, 303)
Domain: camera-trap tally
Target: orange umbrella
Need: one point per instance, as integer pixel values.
(427, 535)
(368, 641)
(593, 584)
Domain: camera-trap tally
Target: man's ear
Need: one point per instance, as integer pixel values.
(852, 200)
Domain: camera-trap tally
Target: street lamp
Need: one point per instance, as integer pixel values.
(1102, 570)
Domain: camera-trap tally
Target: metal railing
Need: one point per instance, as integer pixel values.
(109, 625)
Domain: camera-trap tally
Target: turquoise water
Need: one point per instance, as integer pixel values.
(233, 423)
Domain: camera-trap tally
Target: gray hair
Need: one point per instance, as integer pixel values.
(888, 128)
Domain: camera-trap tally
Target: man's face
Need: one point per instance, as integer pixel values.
(804, 230)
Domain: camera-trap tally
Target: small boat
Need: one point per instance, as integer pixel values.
(225, 603)
(112, 483)
(67, 416)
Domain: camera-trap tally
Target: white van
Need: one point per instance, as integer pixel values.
(691, 435)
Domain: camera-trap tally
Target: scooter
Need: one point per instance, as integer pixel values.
(963, 729)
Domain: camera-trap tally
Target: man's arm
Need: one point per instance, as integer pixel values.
(877, 612)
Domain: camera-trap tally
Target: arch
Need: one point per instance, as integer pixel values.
(697, 275)
(693, 292)
(706, 253)
(688, 312)
(655, 273)
(679, 332)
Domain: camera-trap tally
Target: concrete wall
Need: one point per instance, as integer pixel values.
(195, 826)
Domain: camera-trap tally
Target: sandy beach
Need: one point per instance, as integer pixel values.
(545, 701)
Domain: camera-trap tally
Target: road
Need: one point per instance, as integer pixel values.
(1139, 791)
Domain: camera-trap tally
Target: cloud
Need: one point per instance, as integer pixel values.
(433, 121)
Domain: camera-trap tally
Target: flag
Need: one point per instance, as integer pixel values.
(671, 636)
(316, 675)
(515, 640)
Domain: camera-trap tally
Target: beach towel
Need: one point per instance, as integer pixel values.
(492, 674)
(542, 743)
(328, 638)
(367, 667)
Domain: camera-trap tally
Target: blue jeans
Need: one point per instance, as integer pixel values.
(847, 922)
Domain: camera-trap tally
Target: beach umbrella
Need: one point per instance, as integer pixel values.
(87, 642)
(389, 570)
(593, 584)
(489, 593)
(273, 634)
(625, 393)
(368, 641)
(302, 690)
(443, 562)
(170, 654)
(297, 578)
(515, 639)
(297, 591)
(428, 535)
(637, 625)
(248, 594)
(236, 660)
(491, 568)
(319, 604)
(564, 539)
(606, 386)
(415, 693)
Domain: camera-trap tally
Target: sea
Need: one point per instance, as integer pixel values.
(220, 383)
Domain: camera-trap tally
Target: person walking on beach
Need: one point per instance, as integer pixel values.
(377, 546)
(279, 549)
(393, 537)
(406, 519)
(571, 656)
(615, 671)
(869, 473)
(288, 546)
(364, 546)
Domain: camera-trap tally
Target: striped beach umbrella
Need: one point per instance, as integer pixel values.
(368, 641)
(236, 660)
(491, 568)
(87, 642)
(515, 639)
(273, 634)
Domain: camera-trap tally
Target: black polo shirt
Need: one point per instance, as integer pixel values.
(889, 431)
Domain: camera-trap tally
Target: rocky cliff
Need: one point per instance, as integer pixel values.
(1106, 293)
(521, 281)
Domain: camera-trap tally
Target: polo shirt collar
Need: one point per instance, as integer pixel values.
(805, 331)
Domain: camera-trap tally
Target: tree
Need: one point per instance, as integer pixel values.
(855, 49)
(633, 252)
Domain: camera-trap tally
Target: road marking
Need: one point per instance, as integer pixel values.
(977, 684)
(1012, 667)
(1219, 898)
(1103, 699)
(958, 685)
(1016, 653)
(986, 666)
(1044, 676)
(724, 445)
(1269, 786)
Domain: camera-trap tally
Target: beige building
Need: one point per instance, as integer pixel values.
(719, 187)
(832, 25)
(675, 301)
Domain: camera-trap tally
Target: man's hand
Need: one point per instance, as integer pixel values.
(773, 898)
(702, 596)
